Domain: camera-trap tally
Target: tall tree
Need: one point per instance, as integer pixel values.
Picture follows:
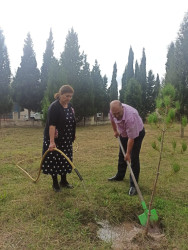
(5, 74)
(132, 95)
(137, 71)
(56, 78)
(157, 87)
(123, 85)
(84, 98)
(142, 81)
(177, 68)
(26, 84)
(48, 57)
(114, 84)
(171, 70)
(130, 69)
(71, 59)
(128, 73)
(150, 93)
(106, 100)
(97, 87)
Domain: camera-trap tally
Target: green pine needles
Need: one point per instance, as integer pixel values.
(163, 118)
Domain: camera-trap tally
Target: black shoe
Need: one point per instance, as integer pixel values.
(56, 187)
(115, 178)
(66, 185)
(132, 191)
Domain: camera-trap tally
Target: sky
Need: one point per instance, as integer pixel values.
(106, 29)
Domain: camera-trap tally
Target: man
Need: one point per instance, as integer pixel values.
(128, 125)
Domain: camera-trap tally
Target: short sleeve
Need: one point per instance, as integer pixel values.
(132, 128)
(110, 116)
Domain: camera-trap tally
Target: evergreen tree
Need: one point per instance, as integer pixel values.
(142, 81)
(98, 88)
(142, 76)
(114, 84)
(106, 91)
(56, 78)
(130, 70)
(5, 74)
(26, 84)
(48, 57)
(171, 70)
(128, 74)
(157, 87)
(71, 59)
(182, 66)
(150, 93)
(83, 100)
(132, 95)
(123, 86)
(137, 72)
(177, 68)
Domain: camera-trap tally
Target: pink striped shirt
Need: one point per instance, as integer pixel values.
(131, 123)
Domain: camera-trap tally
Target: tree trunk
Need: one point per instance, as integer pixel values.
(182, 131)
(29, 112)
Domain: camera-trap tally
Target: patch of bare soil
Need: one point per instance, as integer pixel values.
(131, 237)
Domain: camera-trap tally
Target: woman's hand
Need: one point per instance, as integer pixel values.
(52, 146)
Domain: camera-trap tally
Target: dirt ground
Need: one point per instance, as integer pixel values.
(131, 237)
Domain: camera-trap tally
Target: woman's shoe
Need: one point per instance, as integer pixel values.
(56, 187)
(65, 185)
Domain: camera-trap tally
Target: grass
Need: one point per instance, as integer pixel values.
(32, 216)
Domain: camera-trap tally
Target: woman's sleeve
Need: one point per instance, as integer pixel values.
(53, 116)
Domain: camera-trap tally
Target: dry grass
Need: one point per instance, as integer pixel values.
(32, 216)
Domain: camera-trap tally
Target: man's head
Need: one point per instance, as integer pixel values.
(117, 109)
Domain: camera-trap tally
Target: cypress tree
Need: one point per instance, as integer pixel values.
(26, 84)
(71, 59)
(114, 84)
(123, 85)
(56, 78)
(5, 75)
(177, 69)
(83, 100)
(142, 81)
(98, 87)
(150, 93)
(128, 73)
(130, 70)
(171, 71)
(137, 71)
(132, 95)
(106, 100)
(48, 57)
(157, 87)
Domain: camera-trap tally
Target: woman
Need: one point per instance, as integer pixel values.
(59, 132)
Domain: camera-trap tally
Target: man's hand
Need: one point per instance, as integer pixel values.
(116, 134)
(127, 157)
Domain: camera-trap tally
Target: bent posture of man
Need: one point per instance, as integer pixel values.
(128, 125)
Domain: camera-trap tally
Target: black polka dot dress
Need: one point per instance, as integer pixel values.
(54, 162)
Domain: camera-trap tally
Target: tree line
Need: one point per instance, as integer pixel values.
(33, 88)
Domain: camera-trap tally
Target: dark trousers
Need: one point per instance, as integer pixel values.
(135, 161)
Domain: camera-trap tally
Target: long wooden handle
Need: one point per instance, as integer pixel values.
(132, 174)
